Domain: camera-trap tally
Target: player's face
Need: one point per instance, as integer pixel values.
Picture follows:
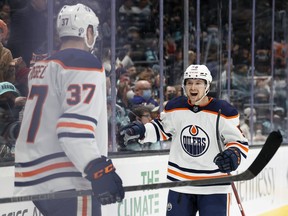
(195, 89)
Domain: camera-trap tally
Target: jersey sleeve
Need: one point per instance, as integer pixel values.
(232, 136)
(159, 129)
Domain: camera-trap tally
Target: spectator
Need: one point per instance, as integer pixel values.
(135, 41)
(128, 8)
(132, 72)
(245, 126)
(146, 73)
(123, 87)
(170, 92)
(28, 30)
(262, 89)
(143, 94)
(179, 90)
(21, 75)
(9, 124)
(144, 9)
(141, 114)
(5, 54)
(170, 46)
(191, 57)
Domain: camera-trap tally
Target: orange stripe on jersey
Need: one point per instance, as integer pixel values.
(75, 125)
(216, 113)
(164, 137)
(192, 177)
(44, 169)
(176, 109)
(84, 206)
(245, 149)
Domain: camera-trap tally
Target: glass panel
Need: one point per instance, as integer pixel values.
(244, 44)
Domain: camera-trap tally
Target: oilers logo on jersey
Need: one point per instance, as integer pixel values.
(194, 140)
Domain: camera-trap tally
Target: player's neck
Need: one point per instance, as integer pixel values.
(74, 44)
(202, 102)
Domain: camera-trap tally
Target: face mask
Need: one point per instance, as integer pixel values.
(146, 94)
(7, 104)
(171, 96)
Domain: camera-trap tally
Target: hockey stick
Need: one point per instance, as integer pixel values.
(219, 142)
(267, 152)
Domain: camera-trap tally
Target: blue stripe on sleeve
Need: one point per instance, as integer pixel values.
(75, 135)
(80, 117)
(47, 178)
(41, 160)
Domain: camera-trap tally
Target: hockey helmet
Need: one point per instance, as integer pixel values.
(197, 72)
(73, 20)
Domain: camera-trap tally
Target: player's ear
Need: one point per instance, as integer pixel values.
(90, 35)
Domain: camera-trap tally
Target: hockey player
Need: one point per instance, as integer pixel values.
(190, 121)
(63, 142)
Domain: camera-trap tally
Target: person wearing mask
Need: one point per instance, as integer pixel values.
(170, 92)
(143, 94)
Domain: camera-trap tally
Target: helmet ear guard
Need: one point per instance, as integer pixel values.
(73, 20)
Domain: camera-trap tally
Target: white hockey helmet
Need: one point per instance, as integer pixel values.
(197, 72)
(73, 20)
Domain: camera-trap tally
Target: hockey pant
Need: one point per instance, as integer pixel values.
(189, 204)
(76, 206)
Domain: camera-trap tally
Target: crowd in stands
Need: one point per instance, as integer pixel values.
(23, 37)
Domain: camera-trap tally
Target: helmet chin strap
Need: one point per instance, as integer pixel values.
(206, 92)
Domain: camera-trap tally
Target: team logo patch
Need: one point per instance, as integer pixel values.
(169, 206)
(194, 140)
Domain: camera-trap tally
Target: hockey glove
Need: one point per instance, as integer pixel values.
(228, 160)
(133, 131)
(106, 184)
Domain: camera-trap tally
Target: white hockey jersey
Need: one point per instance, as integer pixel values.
(194, 140)
(64, 125)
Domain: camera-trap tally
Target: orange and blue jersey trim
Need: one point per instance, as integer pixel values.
(88, 124)
(27, 173)
(177, 173)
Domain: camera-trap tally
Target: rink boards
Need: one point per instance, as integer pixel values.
(264, 195)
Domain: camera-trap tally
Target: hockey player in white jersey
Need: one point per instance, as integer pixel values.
(62, 144)
(190, 121)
